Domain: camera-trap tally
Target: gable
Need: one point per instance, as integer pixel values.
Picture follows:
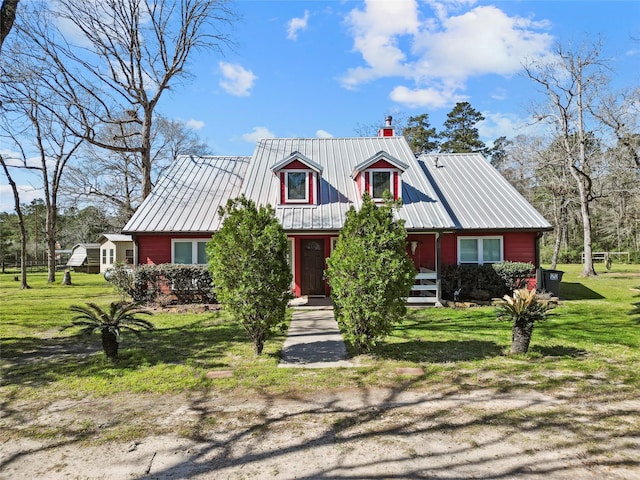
(379, 160)
(297, 160)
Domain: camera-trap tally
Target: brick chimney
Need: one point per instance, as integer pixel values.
(387, 130)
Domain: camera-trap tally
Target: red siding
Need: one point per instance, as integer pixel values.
(283, 192)
(296, 165)
(367, 182)
(382, 164)
(311, 201)
(156, 249)
(425, 254)
(520, 246)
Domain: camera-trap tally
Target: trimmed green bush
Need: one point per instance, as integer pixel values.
(483, 282)
(182, 284)
(370, 273)
(248, 262)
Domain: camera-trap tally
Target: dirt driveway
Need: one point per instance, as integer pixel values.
(441, 433)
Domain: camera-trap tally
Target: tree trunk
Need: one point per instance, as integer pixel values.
(520, 338)
(110, 344)
(587, 266)
(51, 229)
(146, 152)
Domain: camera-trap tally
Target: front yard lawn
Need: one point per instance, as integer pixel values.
(591, 343)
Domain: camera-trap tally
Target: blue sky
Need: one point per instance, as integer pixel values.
(324, 68)
(314, 68)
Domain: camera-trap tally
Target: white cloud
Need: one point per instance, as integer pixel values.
(439, 54)
(237, 80)
(424, 97)
(376, 31)
(508, 125)
(27, 193)
(323, 134)
(257, 134)
(195, 124)
(297, 24)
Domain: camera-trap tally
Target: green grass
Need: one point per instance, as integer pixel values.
(590, 344)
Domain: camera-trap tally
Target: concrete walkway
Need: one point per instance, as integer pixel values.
(314, 339)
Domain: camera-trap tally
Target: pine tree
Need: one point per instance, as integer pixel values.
(460, 134)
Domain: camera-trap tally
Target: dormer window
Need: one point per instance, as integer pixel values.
(296, 186)
(378, 174)
(299, 180)
(381, 181)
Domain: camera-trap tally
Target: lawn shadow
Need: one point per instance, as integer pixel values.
(418, 351)
(39, 361)
(577, 291)
(558, 351)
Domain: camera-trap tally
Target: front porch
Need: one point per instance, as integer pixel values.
(308, 254)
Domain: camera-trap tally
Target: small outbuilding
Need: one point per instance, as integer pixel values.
(115, 248)
(85, 257)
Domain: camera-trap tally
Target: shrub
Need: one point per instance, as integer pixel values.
(514, 274)
(486, 281)
(121, 277)
(248, 263)
(110, 323)
(370, 273)
(523, 309)
(148, 283)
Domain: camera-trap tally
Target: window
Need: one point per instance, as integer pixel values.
(111, 256)
(380, 182)
(104, 256)
(189, 251)
(480, 250)
(297, 186)
(128, 256)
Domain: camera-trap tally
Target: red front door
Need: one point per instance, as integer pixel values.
(312, 267)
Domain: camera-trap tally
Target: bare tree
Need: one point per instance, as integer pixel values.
(23, 230)
(127, 53)
(571, 83)
(7, 17)
(113, 179)
(29, 122)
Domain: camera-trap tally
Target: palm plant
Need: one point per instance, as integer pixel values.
(120, 316)
(523, 309)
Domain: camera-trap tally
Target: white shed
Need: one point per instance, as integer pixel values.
(115, 248)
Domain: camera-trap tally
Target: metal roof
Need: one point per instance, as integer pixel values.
(187, 197)
(439, 191)
(338, 191)
(115, 237)
(477, 196)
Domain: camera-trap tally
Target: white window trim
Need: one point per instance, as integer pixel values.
(306, 187)
(292, 246)
(392, 186)
(479, 243)
(194, 249)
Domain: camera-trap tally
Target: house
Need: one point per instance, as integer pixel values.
(115, 248)
(457, 208)
(85, 257)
